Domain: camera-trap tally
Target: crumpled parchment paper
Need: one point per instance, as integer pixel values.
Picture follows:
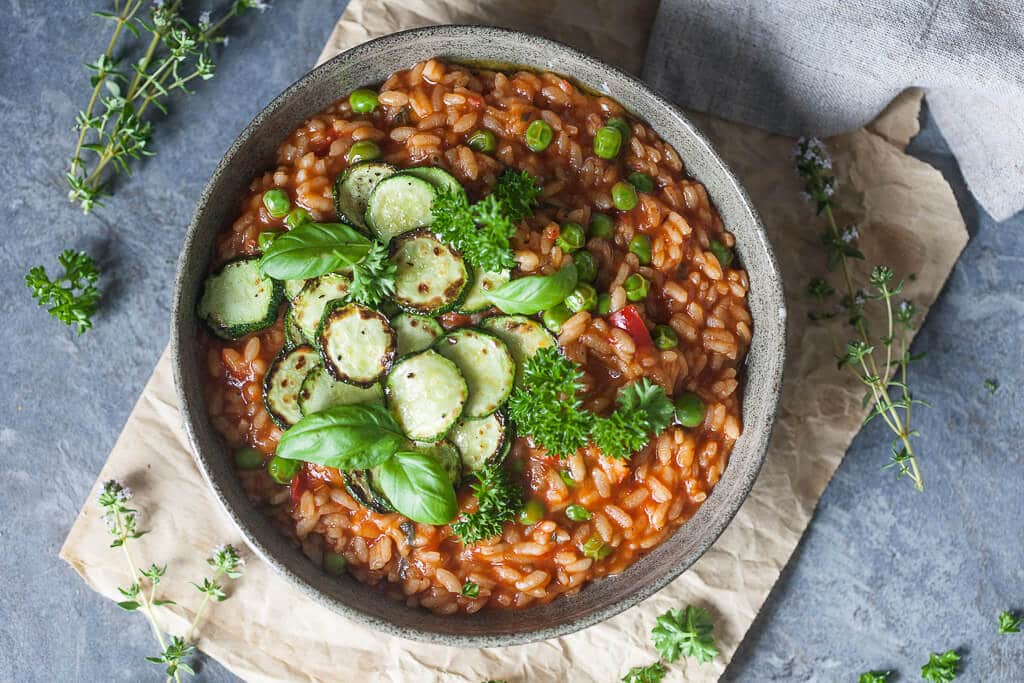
(267, 631)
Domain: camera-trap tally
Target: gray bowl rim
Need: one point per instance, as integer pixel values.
(180, 337)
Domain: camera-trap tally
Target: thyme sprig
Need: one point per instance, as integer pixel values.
(879, 362)
(140, 594)
(113, 126)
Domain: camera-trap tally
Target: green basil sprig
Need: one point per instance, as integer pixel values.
(312, 249)
(418, 487)
(365, 435)
(353, 437)
(534, 293)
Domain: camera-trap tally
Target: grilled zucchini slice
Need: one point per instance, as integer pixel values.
(481, 441)
(284, 380)
(399, 204)
(357, 343)
(415, 332)
(521, 335)
(487, 365)
(358, 485)
(308, 307)
(238, 300)
(431, 277)
(438, 177)
(292, 335)
(353, 187)
(320, 391)
(476, 296)
(293, 287)
(426, 394)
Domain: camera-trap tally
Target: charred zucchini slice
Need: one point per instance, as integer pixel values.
(481, 441)
(476, 296)
(426, 394)
(399, 204)
(358, 485)
(438, 177)
(487, 365)
(521, 335)
(283, 382)
(238, 300)
(308, 307)
(357, 343)
(415, 332)
(293, 287)
(431, 277)
(292, 335)
(320, 391)
(353, 187)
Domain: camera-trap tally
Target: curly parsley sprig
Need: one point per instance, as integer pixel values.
(547, 407)
(941, 668)
(72, 297)
(880, 362)
(685, 632)
(498, 500)
(373, 277)
(482, 231)
(123, 526)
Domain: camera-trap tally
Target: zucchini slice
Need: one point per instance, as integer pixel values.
(237, 300)
(357, 343)
(476, 296)
(293, 287)
(487, 365)
(431, 277)
(308, 307)
(481, 441)
(398, 204)
(447, 455)
(426, 394)
(320, 391)
(415, 332)
(292, 335)
(521, 335)
(284, 380)
(353, 187)
(359, 486)
(438, 177)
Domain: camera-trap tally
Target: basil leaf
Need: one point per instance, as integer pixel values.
(312, 249)
(351, 437)
(418, 487)
(534, 293)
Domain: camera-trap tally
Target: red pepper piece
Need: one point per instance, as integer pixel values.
(628, 319)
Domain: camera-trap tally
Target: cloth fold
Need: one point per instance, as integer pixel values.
(824, 67)
(268, 631)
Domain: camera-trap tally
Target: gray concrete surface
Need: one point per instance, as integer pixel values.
(883, 576)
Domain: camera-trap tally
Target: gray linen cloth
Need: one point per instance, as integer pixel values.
(814, 67)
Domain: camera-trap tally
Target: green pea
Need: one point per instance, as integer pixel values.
(722, 253)
(532, 512)
(641, 246)
(596, 549)
(539, 135)
(586, 266)
(248, 458)
(362, 101)
(604, 304)
(583, 298)
(607, 142)
(567, 479)
(277, 202)
(267, 238)
(297, 217)
(664, 337)
(602, 225)
(335, 564)
(623, 196)
(364, 150)
(637, 287)
(577, 513)
(483, 141)
(571, 237)
(689, 410)
(620, 124)
(555, 317)
(283, 470)
(641, 181)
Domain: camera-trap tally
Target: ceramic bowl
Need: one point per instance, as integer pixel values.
(253, 152)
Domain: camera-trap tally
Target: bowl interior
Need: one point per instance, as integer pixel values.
(253, 152)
